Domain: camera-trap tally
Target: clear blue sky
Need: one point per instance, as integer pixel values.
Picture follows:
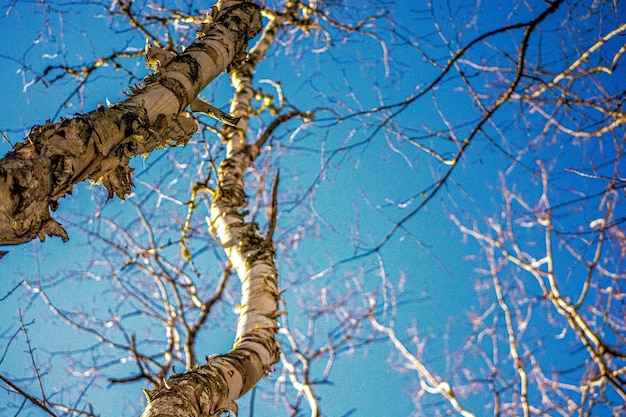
(343, 203)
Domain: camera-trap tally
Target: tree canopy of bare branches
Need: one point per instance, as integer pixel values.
(421, 201)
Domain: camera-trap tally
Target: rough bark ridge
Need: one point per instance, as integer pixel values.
(99, 145)
(212, 388)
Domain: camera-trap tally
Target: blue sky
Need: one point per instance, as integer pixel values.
(343, 187)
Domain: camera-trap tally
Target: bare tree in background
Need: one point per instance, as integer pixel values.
(540, 128)
(554, 249)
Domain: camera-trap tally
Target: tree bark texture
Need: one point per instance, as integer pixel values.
(225, 378)
(212, 388)
(99, 145)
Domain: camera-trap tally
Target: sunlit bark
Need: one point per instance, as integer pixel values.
(99, 145)
(212, 388)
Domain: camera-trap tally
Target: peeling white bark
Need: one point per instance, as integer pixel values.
(212, 388)
(99, 145)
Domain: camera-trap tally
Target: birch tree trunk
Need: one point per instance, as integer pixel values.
(212, 388)
(99, 145)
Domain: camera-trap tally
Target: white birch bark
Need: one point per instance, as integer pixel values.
(99, 145)
(213, 388)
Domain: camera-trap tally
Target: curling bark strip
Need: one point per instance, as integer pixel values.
(99, 145)
(212, 388)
